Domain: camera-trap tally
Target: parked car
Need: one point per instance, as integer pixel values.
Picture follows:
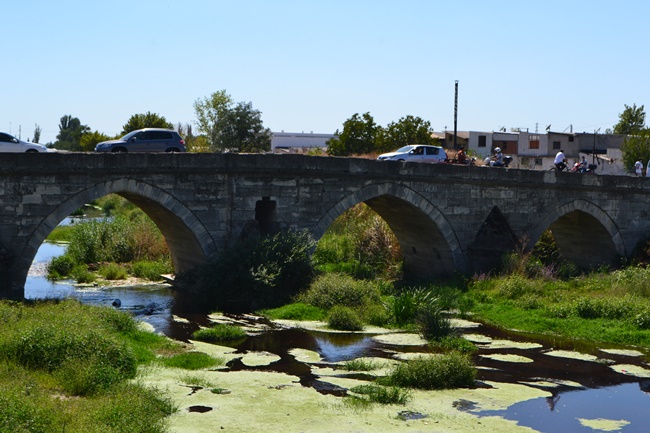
(145, 140)
(416, 152)
(9, 143)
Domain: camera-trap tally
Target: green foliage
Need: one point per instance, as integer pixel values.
(344, 319)
(636, 147)
(192, 361)
(361, 365)
(295, 311)
(407, 130)
(70, 133)
(456, 344)
(631, 120)
(51, 349)
(151, 270)
(255, 273)
(446, 371)
(61, 234)
(361, 244)
(406, 305)
(433, 324)
(89, 140)
(112, 271)
(146, 120)
(383, 395)
(329, 290)
(231, 127)
(359, 136)
(219, 332)
(60, 266)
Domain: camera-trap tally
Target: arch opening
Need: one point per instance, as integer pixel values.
(188, 241)
(427, 242)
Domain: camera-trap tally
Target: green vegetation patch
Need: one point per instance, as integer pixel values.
(452, 370)
(219, 332)
(192, 361)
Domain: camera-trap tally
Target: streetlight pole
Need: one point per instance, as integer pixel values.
(456, 115)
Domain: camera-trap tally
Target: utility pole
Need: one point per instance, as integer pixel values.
(456, 116)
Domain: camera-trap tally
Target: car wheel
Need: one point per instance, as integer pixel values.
(119, 150)
(402, 160)
(31, 151)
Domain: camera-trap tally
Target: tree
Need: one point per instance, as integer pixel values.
(241, 128)
(70, 132)
(407, 130)
(636, 147)
(229, 126)
(146, 120)
(360, 135)
(37, 133)
(89, 140)
(631, 120)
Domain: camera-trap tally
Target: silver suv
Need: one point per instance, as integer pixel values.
(145, 140)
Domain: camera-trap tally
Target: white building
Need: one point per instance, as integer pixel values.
(298, 140)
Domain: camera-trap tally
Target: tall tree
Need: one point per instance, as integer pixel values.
(230, 126)
(242, 129)
(360, 135)
(631, 120)
(407, 130)
(37, 133)
(146, 120)
(70, 132)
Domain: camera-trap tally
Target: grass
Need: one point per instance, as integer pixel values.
(361, 365)
(219, 332)
(383, 395)
(192, 361)
(344, 319)
(295, 311)
(609, 307)
(86, 358)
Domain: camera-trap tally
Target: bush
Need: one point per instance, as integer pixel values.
(82, 274)
(433, 324)
(344, 319)
(220, 332)
(452, 370)
(329, 290)
(60, 266)
(296, 311)
(383, 395)
(112, 271)
(151, 270)
(192, 361)
(255, 273)
(406, 305)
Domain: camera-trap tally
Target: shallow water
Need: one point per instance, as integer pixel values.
(581, 389)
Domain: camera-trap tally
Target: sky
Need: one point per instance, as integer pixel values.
(311, 65)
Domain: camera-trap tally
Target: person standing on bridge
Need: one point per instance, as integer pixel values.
(638, 168)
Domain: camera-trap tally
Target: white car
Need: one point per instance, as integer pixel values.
(416, 152)
(9, 143)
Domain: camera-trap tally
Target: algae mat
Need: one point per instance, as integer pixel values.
(253, 401)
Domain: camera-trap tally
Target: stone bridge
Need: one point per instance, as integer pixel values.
(447, 218)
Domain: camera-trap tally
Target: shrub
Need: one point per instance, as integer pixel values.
(329, 290)
(192, 361)
(360, 365)
(452, 370)
(344, 319)
(151, 270)
(433, 324)
(383, 395)
(256, 272)
(60, 266)
(220, 332)
(82, 274)
(406, 305)
(112, 271)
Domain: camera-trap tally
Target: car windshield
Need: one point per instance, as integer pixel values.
(404, 149)
(129, 135)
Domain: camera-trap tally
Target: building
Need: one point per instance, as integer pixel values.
(298, 140)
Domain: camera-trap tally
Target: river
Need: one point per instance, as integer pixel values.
(598, 385)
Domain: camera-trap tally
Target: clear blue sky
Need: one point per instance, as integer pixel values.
(310, 65)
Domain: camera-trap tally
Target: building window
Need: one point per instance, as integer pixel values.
(482, 141)
(533, 141)
(570, 137)
(557, 145)
(538, 161)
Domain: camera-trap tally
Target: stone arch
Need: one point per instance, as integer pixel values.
(428, 242)
(584, 233)
(188, 240)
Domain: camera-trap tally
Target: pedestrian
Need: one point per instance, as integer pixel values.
(638, 168)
